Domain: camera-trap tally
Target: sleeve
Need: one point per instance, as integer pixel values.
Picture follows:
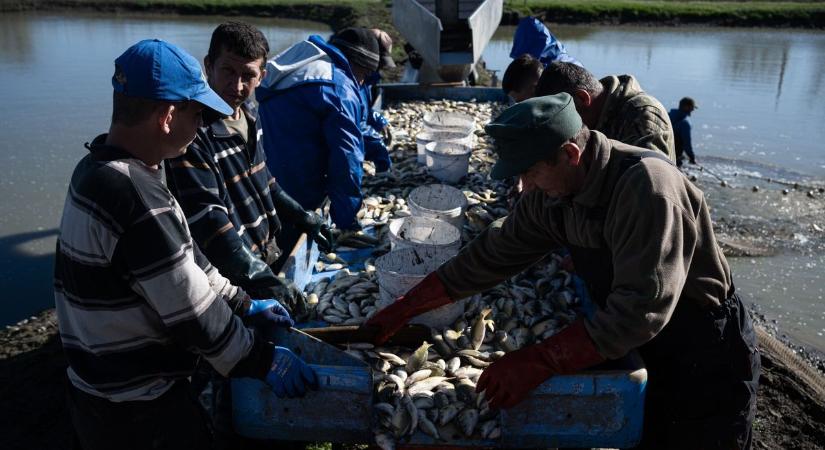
(196, 182)
(166, 275)
(507, 247)
(342, 135)
(649, 128)
(652, 240)
(687, 143)
(377, 121)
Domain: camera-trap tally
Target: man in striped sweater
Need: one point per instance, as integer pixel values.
(232, 202)
(137, 305)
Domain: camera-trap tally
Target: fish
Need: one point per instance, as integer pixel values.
(479, 328)
(426, 426)
(467, 420)
(417, 359)
(417, 376)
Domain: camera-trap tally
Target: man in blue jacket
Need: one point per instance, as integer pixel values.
(681, 130)
(311, 109)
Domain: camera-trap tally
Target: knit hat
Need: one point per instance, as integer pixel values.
(359, 45)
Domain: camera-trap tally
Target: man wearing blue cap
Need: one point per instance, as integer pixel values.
(641, 237)
(137, 304)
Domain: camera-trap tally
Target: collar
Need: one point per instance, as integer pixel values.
(101, 151)
(219, 129)
(610, 84)
(600, 149)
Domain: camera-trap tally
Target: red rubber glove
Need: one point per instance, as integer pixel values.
(509, 379)
(429, 294)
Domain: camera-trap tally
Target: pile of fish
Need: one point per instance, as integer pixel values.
(431, 389)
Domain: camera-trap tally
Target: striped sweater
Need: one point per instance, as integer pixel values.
(135, 309)
(226, 191)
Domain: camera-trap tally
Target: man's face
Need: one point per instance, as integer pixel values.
(234, 78)
(558, 180)
(186, 119)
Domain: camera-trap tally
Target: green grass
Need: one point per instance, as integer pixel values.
(343, 13)
(740, 13)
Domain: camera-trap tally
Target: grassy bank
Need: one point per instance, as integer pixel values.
(803, 14)
(338, 14)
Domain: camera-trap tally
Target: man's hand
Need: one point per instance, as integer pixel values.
(426, 295)
(318, 231)
(387, 133)
(289, 376)
(292, 297)
(510, 379)
(266, 315)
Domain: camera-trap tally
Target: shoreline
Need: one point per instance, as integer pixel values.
(341, 14)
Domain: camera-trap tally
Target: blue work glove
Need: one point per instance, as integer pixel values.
(289, 375)
(266, 315)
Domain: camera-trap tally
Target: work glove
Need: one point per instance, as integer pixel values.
(387, 133)
(510, 379)
(354, 238)
(266, 316)
(305, 221)
(427, 295)
(291, 297)
(289, 376)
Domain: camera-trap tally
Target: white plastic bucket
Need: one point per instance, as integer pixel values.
(448, 161)
(424, 232)
(425, 137)
(399, 270)
(449, 121)
(439, 201)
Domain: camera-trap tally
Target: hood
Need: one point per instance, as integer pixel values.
(313, 60)
(619, 89)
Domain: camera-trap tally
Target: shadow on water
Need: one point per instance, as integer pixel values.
(25, 278)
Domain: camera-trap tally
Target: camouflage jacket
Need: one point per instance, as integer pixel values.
(634, 117)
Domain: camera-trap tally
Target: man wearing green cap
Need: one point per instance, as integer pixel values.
(641, 237)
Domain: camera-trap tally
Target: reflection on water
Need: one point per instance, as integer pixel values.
(55, 82)
(758, 90)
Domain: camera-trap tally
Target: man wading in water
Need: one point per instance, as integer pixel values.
(640, 235)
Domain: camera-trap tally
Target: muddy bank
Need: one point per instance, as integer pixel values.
(32, 374)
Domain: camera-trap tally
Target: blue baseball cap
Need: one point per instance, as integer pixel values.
(157, 70)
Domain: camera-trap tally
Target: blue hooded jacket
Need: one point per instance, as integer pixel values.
(681, 132)
(533, 38)
(310, 108)
(374, 148)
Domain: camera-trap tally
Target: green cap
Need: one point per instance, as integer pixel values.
(528, 132)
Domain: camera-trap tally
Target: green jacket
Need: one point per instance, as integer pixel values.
(634, 117)
(657, 226)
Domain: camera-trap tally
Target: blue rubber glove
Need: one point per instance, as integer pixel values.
(266, 315)
(289, 375)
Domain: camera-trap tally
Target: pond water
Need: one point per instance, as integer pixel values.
(760, 95)
(55, 83)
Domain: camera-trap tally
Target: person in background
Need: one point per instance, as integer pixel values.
(520, 78)
(533, 38)
(682, 129)
(233, 204)
(642, 239)
(615, 105)
(376, 129)
(137, 304)
(310, 108)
